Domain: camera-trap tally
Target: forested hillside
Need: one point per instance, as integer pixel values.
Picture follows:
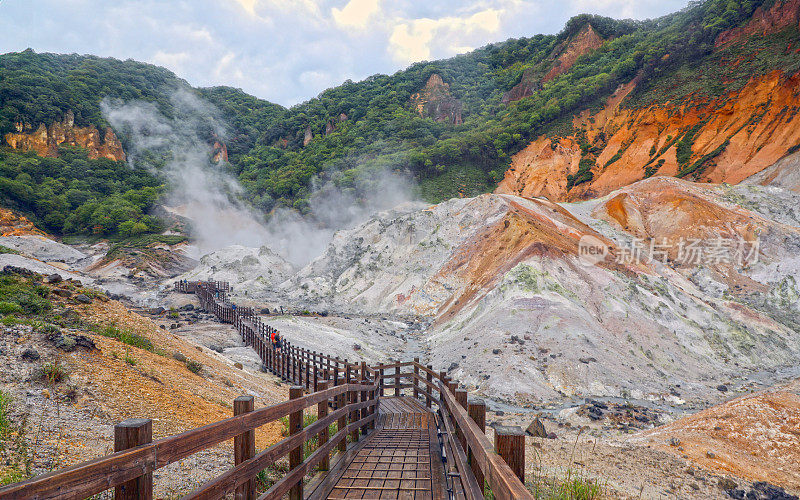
(451, 124)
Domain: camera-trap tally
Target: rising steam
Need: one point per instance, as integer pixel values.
(210, 198)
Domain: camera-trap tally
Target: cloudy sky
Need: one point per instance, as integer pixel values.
(289, 50)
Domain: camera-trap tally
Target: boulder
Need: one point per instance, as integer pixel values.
(536, 429)
(30, 354)
(83, 299)
(53, 278)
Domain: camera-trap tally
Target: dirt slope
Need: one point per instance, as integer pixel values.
(754, 436)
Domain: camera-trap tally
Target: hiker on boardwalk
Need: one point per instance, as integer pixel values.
(278, 341)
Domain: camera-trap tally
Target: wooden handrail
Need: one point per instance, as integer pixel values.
(502, 480)
(227, 482)
(88, 478)
(468, 483)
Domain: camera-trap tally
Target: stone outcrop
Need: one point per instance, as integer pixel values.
(219, 150)
(529, 83)
(435, 101)
(734, 137)
(308, 136)
(562, 59)
(779, 15)
(333, 123)
(14, 224)
(45, 140)
(580, 44)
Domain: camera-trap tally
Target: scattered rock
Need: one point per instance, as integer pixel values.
(83, 299)
(62, 292)
(53, 278)
(726, 483)
(179, 357)
(536, 429)
(711, 454)
(187, 307)
(452, 367)
(216, 348)
(761, 491)
(674, 441)
(496, 351)
(551, 435)
(356, 347)
(722, 388)
(69, 342)
(156, 311)
(264, 310)
(30, 354)
(238, 365)
(586, 361)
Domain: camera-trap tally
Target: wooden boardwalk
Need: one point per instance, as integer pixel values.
(400, 460)
(405, 451)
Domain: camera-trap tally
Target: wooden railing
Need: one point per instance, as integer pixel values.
(129, 471)
(352, 390)
(471, 457)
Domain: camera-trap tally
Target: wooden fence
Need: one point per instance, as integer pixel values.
(352, 390)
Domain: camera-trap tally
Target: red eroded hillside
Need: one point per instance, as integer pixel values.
(729, 139)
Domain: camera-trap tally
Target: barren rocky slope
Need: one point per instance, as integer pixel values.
(501, 283)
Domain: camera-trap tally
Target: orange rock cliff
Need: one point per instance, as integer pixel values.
(45, 140)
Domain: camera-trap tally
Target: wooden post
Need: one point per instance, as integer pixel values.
(477, 412)
(322, 412)
(352, 398)
(461, 399)
(362, 379)
(316, 379)
(340, 403)
(244, 447)
(428, 400)
(130, 434)
(509, 443)
(397, 391)
(416, 374)
(380, 381)
(296, 455)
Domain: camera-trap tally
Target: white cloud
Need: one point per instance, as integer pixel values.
(228, 68)
(172, 60)
(248, 5)
(413, 40)
(410, 42)
(356, 14)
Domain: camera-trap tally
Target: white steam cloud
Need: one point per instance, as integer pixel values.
(204, 193)
(199, 189)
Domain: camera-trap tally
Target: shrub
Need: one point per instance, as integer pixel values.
(5, 421)
(194, 366)
(126, 337)
(53, 373)
(9, 308)
(23, 292)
